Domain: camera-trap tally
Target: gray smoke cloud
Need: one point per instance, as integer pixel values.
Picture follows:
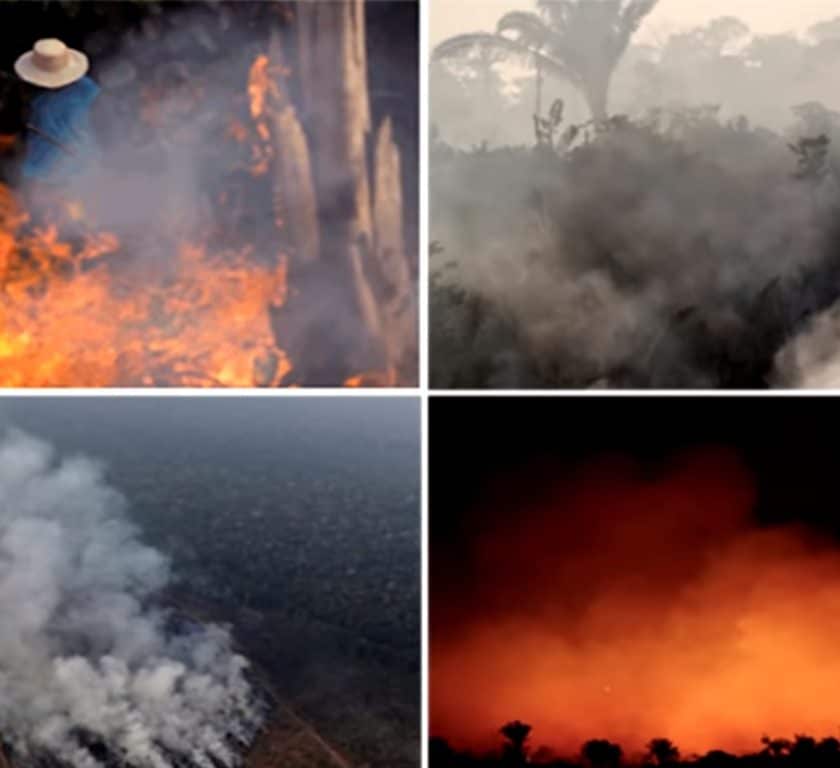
(648, 258)
(84, 655)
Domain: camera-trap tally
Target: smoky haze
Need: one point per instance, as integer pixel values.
(451, 18)
(689, 240)
(628, 604)
(86, 658)
(633, 569)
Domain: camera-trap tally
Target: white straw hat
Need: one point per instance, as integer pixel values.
(51, 64)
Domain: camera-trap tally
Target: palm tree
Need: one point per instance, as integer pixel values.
(581, 41)
(516, 734)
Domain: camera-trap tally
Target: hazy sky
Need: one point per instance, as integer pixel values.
(765, 16)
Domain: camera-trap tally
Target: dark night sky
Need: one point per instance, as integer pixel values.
(790, 444)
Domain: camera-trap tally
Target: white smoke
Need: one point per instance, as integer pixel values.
(811, 360)
(83, 656)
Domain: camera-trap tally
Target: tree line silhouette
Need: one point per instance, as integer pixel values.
(801, 751)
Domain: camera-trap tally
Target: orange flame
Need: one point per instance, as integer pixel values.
(69, 318)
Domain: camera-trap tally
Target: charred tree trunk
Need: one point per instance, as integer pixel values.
(358, 275)
(398, 305)
(293, 187)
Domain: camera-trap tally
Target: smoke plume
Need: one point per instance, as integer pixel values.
(612, 601)
(87, 663)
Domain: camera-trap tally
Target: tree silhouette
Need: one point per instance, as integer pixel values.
(803, 750)
(440, 753)
(601, 753)
(717, 758)
(775, 748)
(663, 752)
(581, 41)
(828, 751)
(515, 750)
(800, 752)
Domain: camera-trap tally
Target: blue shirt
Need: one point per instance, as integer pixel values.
(64, 115)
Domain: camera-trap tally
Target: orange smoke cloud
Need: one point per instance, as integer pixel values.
(623, 604)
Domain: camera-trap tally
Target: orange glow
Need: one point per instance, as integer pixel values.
(259, 85)
(616, 604)
(262, 87)
(7, 142)
(69, 318)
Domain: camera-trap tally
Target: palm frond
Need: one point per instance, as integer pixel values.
(459, 45)
(463, 45)
(635, 12)
(556, 13)
(528, 28)
(630, 19)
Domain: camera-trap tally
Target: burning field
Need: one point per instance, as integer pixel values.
(243, 223)
(634, 571)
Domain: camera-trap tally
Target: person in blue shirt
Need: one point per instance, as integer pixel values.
(60, 140)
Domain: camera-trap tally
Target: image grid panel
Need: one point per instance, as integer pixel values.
(633, 194)
(209, 194)
(205, 581)
(621, 581)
